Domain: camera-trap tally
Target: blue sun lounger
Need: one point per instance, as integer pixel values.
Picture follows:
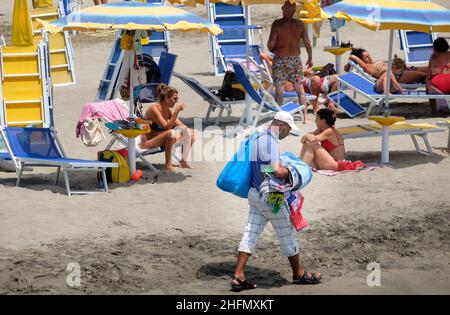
(40, 147)
(366, 88)
(264, 99)
(417, 46)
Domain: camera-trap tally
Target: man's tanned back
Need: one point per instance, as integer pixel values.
(288, 34)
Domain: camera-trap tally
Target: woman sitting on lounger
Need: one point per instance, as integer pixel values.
(324, 148)
(167, 129)
(438, 76)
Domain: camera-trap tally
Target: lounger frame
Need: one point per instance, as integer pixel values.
(415, 133)
(61, 163)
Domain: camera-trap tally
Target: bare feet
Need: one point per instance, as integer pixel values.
(170, 168)
(184, 164)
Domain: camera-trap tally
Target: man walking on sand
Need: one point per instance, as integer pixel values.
(284, 43)
(267, 159)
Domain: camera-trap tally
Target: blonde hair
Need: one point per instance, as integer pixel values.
(164, 90)
(398, 62)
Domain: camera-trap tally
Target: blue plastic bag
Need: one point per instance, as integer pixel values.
(236, 175)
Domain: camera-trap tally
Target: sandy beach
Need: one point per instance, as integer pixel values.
(178, 233)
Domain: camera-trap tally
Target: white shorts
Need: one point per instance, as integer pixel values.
(258, 217)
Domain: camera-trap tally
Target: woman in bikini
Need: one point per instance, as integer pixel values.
(324, 147)
(438, 75)
(408, 75)
(167, 129)
(378, 70)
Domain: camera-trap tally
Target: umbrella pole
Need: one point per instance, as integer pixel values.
(131, 141)
(248, 102)
(385, 131)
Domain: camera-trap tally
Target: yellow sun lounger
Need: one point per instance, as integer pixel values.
(24, 90)
(61, 54)
(397, 129)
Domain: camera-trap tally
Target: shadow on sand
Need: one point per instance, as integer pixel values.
(397, 159)
(87, 181)
(265, 278)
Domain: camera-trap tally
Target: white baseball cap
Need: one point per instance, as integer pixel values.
(286, 118)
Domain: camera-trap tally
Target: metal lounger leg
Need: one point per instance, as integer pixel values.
(301, 112)
(219, 117)
(19, 173)
(371, 104)
(208, 113)
(111, 143)
(105, 182)
(429, 150)
(66, 181)
(57, 175)
(448, 142)
(150, 165)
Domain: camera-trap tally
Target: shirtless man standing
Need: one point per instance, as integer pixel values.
(284, 43)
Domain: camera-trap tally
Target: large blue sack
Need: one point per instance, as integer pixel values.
(235, 176)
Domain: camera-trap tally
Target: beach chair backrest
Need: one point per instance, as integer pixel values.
(166, 65)
(158, 43)
(242, 78)
(362, 84)
(233, 51)
(32, 143)
(417, 46)
(230, 15)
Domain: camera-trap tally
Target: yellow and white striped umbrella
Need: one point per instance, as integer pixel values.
(132, 16)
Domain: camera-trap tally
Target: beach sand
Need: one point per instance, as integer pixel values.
(178, 233)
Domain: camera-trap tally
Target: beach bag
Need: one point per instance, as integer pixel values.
(152, 71)
(227, 92)
(148, 92)
(236, 175)
(92, 133)
(120, 174)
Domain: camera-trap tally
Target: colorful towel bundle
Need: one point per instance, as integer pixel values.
(300, 175)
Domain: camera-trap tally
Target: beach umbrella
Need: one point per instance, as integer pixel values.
(132, 16)
(389, 15)
(22, 33)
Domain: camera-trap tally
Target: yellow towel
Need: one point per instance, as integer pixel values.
(42, 3)
(22, 34)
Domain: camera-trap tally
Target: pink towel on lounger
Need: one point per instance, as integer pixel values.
(115, 109)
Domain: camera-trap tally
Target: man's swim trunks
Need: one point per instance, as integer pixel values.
(287, 68)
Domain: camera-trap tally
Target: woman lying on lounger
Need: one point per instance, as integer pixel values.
(324, 148)
(312, 83)
(438, 76)
(167, 129)
(378, 70)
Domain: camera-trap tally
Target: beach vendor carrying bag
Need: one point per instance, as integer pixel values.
(120, 174)
(92, 132)
(235, 177)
